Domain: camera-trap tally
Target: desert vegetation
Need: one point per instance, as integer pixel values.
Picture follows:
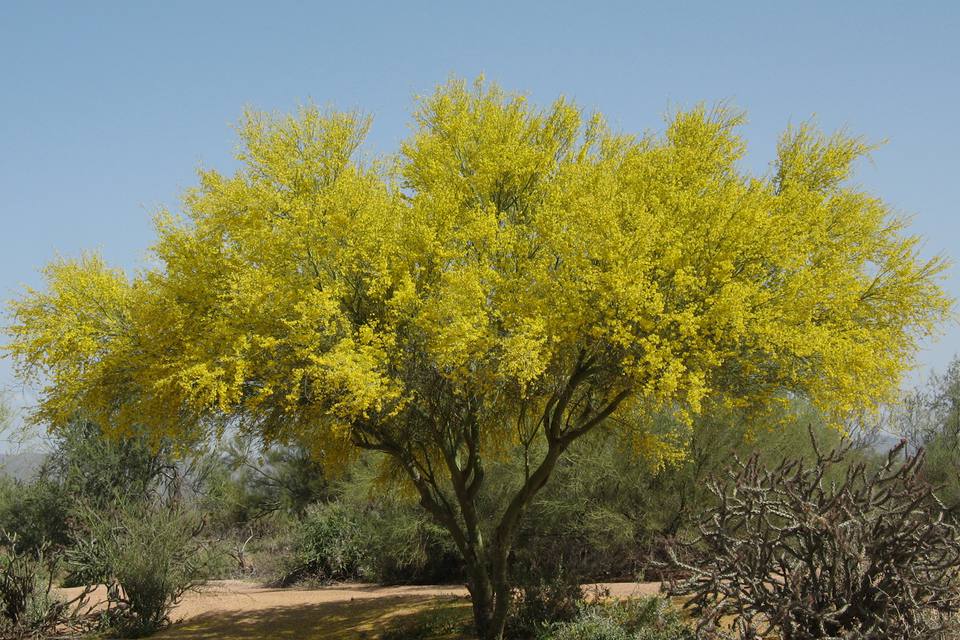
(523, 354)
(232, 512)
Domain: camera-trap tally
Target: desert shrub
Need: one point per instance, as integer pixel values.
(929, 417)
(36, 513)
(652, 618)
(328, 545)
(441, 622)
(370, 530)
(26, 604)
(29, 608)
(402, 545)
(256, 502)
(148, 557)
(592, 625)
(637, 619)
(264, 548)
(98, 469)
(545, 592)
(85, 467)
(793, 554)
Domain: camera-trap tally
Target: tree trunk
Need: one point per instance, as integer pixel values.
(490, 594)
(501, 590)
(491, 617)
(482, 599)
(486, 562)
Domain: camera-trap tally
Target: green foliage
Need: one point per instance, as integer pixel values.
(148, 557)
(329, 545)
(87, 468)
(403, 544)
(36, 513)
(544, 594)
(247, 483)
(99, 469)
(25, 604)
(370, 531)
(591, 626)
(443, 622)
(929, 417)
(636, 619)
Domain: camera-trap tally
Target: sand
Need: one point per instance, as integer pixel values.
(235, 609)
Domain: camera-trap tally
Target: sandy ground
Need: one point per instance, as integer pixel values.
(238, 610)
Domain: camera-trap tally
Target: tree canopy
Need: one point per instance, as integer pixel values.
(502, 246)
(513, 274)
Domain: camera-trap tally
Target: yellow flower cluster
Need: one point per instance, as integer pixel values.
(312, 293)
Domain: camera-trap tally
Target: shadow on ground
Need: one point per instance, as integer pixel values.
(363, 618)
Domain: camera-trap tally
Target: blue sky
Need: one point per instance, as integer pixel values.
(106, 109)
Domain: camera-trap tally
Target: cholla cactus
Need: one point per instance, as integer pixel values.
(869, 555)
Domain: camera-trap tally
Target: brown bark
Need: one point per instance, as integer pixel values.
(458, 443)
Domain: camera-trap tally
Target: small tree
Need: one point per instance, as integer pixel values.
(867, 555)
(512, 278)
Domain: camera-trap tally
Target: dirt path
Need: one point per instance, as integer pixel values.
(237, 610)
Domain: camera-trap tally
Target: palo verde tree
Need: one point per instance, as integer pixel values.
(514, 275)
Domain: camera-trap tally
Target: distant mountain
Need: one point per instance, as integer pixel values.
(20, 465)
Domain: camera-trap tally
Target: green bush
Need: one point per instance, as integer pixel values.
(26, 606)
(402, 545)
(372, 532)
(328, 546)
(592, 625)
(35, 513)
(98, 469)
(148, 557)
(638, 619)
(544, 593)
(441, 622)
(86, 467)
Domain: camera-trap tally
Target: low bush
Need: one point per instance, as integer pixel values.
(372, 532)
(378, 542)
(29, 608)
(148, 557)
(592, 625)
(545, 592)
(403, 545)
(442, 622)
(641, 619)
(328, 546)
(35, 513)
